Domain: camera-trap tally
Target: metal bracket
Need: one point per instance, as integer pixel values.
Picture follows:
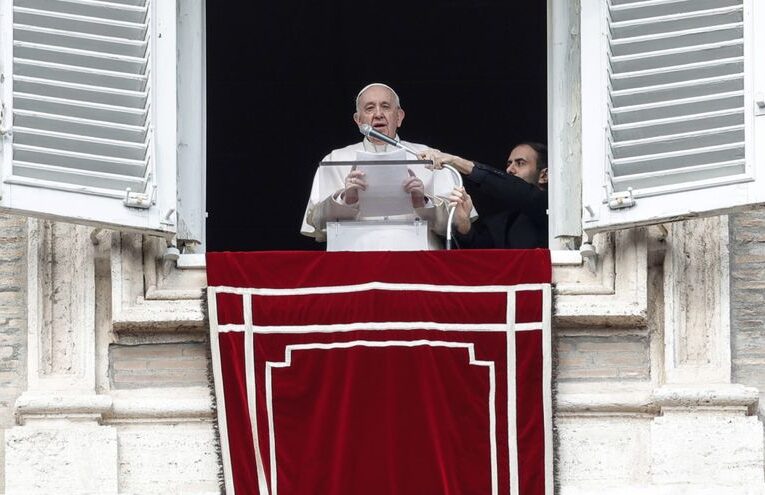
(167, 218)
(621, 199)
(759, 100)
(142, 201)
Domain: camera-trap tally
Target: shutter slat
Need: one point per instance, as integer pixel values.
(79, 24)
(678, 142)
(81, 93)
(69, 142)
(80, 75)
(80, 127)
(679, 73)
(674, 23)
(685, 89)
(139, 3)
(678, 108)
(677, 159)
(629, 10)
(88, 8)
(81, 41)
(678, 56)
(76, 177)
(682, 124)
(667, 178)
(80, 58)
(106, 113)
(664, 41)
(80, 161)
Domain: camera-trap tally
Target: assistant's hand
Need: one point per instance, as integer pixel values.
(463, 205)
(437, 157)
(440, 159)
(354, 182)
(414, 186)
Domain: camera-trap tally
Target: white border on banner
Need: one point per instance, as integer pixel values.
(228, 473)
(510, 327)
(343, 289)
(547, 385)
(249, 363)
(386, 343)
(379, 325)
(512, 420)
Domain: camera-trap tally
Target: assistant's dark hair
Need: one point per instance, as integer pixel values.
(541, 151)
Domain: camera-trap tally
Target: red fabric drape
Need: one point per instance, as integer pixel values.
(417, 406)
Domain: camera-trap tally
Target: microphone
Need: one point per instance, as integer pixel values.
(370, 131)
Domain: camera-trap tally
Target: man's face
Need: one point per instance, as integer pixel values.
(377, 107)
(522, 163)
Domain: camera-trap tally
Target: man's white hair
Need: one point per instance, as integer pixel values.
(383, 85)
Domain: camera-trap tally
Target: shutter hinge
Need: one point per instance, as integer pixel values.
(139, 200)
(759, 100)
(621, 199)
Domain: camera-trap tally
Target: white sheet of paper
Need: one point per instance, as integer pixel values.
(385, 195)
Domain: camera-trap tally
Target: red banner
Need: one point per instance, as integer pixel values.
(383, 372)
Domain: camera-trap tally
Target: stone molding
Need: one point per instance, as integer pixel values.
(149, 294)
(591, 294)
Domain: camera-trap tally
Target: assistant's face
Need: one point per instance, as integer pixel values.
(522, 163)
(377, 107)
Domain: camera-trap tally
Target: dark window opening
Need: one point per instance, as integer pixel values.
(282, 76)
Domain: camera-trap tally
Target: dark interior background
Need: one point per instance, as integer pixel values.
(282, 77)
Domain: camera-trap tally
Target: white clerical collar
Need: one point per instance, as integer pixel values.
(378, 148)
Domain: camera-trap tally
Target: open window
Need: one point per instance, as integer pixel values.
(672, 126)
(89, 113)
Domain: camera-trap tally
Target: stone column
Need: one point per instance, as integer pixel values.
(59, 445)
(706, 433)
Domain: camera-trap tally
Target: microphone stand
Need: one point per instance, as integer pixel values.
(452, 209)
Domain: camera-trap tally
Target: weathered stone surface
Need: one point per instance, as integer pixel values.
(602, 356)
(700, 447)
(158, 365)
(747, 247)
(73, 459)
(603, 449)
(168, 459)
(13, 331)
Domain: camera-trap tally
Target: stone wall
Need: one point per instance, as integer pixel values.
(747, 280)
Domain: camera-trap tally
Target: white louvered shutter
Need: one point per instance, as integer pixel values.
(669, 125)
(88, 138)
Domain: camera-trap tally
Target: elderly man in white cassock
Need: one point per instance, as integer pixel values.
(378, 106)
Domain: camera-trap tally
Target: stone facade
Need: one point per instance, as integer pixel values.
(13, 320)
(657, 366)
(747, 274)
(116, 397)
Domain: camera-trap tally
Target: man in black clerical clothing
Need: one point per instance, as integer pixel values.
(522, 192)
